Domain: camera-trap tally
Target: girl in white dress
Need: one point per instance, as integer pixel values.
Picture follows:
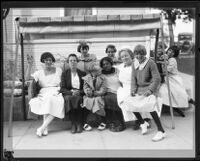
(179, 96)
(49, 102)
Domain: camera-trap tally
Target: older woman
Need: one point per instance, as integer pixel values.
(125, 70)
(49, 102)
(72, 90)
(114, 116)
(145, 81)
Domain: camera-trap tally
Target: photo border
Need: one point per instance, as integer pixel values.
(156, 4)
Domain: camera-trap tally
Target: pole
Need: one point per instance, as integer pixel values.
(23, 80)
(13, 84)
(156, 45)
(167, 76)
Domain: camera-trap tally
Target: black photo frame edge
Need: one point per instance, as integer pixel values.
(174, 4)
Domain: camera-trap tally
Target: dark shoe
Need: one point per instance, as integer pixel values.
(117, 127)
(191, 101)
(120, 127)
(112, 127)
(179, 111)
(79, 128)
(73, 129)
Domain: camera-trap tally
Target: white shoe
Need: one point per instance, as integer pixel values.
(159, 136)
(39, 132)
(45, 132)
(87, 127)
(144, 127)
(102, 126)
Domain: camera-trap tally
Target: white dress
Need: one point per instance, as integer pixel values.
(49, 100)
(179, 96)
(124, 92)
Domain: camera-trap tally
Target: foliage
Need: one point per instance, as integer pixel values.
(186, 14)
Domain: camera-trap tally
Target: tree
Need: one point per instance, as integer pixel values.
(172, 14)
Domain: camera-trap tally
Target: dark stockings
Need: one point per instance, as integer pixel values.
(76, 116)
(114, 116)
(154, 116)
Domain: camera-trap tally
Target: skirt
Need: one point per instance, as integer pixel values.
(111, 102)
(48, 101)
(72, 102)
(94, 104)
(179, 96)
(140, 103)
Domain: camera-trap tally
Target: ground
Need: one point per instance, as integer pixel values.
(180, 142)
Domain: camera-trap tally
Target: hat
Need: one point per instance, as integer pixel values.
(93, 67)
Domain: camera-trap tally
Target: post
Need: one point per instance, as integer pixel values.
(23, 80)
(156, 45)
(167, 76)
(13, 83)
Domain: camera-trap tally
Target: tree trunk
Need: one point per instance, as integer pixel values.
(171, 32)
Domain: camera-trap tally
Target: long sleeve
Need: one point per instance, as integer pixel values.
(64, 89)
(133, 80)
(172, 66)
(86, 86)
(81, 75)
(102, 89)
(156, 79)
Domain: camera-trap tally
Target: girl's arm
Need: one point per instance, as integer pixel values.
(29, 68)
(87, 90)
(102, 90)
(156, 79)
(63, 85)
(172, 65)
(133, 81)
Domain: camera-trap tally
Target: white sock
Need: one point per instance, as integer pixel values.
(47, 121)
(44, 118)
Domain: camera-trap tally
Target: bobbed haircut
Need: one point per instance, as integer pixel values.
(72, 55)
(46, 55)
(175, 49)
(108, 59)
(112, 47)
(128, 51)
(82, 45)
(140, 48)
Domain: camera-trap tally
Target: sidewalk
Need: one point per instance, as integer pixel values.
(180, 142)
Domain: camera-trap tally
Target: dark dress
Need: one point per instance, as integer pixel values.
(71, 102)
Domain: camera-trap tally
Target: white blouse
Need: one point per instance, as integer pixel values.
(75, 81)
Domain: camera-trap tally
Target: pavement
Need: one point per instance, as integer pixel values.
(60, 142)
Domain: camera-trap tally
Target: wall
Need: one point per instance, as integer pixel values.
(62, 49)
(9, 31)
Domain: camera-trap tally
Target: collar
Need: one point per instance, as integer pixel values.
(140, 66)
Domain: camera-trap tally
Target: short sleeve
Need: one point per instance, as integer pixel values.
(59, 71)
(36, 75)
